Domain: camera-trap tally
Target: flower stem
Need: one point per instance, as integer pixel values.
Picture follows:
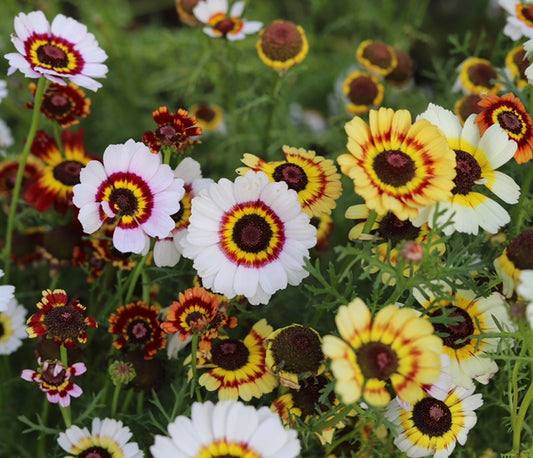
(194, 385)
(65, 411)
(114, 402)
(274, 95)
(41, 87)
(135, 276)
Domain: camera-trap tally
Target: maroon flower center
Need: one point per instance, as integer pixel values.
(68, 172)
(281, 41)
(527, 12)
(57, 104)
(378, 53)
(308, 396)
(226, 25)
(205, 113)
(432, 417)
(139, 331)
(377, 360)
(394, 167)
(230, 354)
(51, 379)
(394, 229)
(292, 174)
(252, 233)
(297, 349)
(519, 250)
(482, 74)
(124, 200)
(458, 333)
(64, 322)
(467, 171)
(52, 55)
(167, 131)
(363, 91)
(510, 121)
(95, 452)
(469, 105)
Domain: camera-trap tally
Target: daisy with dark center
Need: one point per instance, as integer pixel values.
(516, 63)
(396, 348)
(477, 76)
(467, 105)
(209, 116)
(249, 237)
(478, 156)
(220, 24)
(12, 326)
(196, 312)
(519, 18)
(468, 318)
(402, 74)
(227, 429)
(138, 325)
(362, 91)
(167, 251)
(133, 187)
(63, 49)
(237, 368)
(516, 258)
(54, 379)
(64, 104)
(175, 131)
(433, 427)
(282, 45)
(376, 56)
(292, 351)
(510, 114)
(65, 322)
(107, 438)
(397, 166)
(313, 177)
(61, 171)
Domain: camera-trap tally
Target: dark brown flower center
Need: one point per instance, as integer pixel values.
(308, 396)
(281, 41)
(68, 172)
(252, 233)
(519, 250)
(52, 55)
(226, 25)
(482, 74)
(297, 349)
(467, 171)
(2, 330)
(64, 322)
(57, 104)
(125, 201)
(521, 62)
(205, 113)
(292, 174)
(394, 167)
(394, 229)
(458, 333)
(527, 12)
(510, 121)
(378, 53)
(469, 105)
(49, 377)
(95, 452)
(139, 331)
(377, 360)
(432, 417)
(230, 354)
(363, 91)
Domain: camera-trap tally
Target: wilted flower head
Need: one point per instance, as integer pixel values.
(63, 49)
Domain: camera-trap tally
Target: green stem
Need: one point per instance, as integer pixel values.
(194, 384)
(114, 402)
(41, 87)
(65, 411)
(369, 222)
(272, 106)
(127, 401)
(41, 444)
(140, 402)
(135, 276)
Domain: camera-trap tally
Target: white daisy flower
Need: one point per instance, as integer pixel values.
(519, 19)
(477, 159)
(7, 292)
(3, 90)
(228, 428)
(249, 237)
(6, 139)
(63, 49)
(525, 289)
(107, 437)
(12, 327)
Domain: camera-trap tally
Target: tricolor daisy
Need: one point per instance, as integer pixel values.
(61, 171)
(220, 24)
(12, 327)
(477, 76)
(362, 91)
(249, 237)
(519, 18)
(313, 177)
(477, 158)
(210, 117)
(432, 427)
(133, 186)
(516, 64)
(376, 56)
(395, 165)
(63, 49)
(397, 346)
(107, 438)
(516, 258)
(510, 114)
(237, 368)
(228, 428)
(54, 379)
